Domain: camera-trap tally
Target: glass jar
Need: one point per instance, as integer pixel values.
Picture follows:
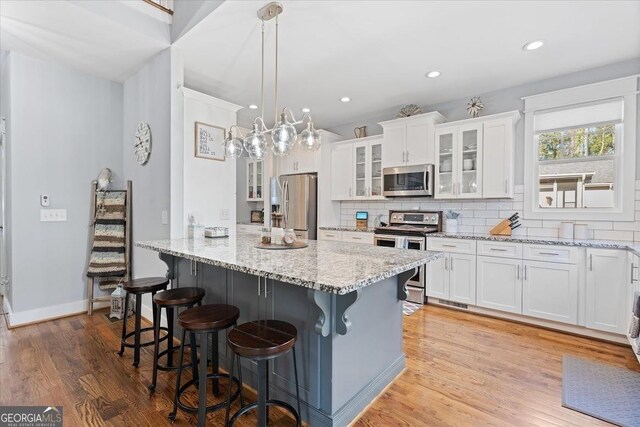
(289, 237)
(265, 238)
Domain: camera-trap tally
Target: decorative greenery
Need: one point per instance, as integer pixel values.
(577, 143)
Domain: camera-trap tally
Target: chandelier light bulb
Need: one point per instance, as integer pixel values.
(284, 136)
(310, 138)
(255, 143)
(232, 146)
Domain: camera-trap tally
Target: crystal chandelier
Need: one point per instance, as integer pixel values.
(283, 134)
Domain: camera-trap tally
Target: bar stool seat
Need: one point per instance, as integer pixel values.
(204, 320)
(262, 340)
(139, 287)
(171, 300)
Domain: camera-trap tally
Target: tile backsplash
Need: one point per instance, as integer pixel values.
(479, 216)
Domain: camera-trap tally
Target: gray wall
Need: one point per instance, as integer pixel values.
(5, 111)
(147, 98)
(65, 127)
(507, 100)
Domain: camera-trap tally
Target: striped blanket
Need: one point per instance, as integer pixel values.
(108, 259)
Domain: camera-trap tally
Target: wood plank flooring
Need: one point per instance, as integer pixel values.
(462, 370)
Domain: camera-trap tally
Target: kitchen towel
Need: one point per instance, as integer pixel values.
(402, 242)
(108, 257)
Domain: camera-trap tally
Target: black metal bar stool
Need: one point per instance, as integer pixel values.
(204, 320)
(263, 340)
(139, 287)
(171, 300)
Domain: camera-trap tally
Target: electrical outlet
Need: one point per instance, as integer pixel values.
(224, 213)
(44, 201)
(165, 217)
(53, 215)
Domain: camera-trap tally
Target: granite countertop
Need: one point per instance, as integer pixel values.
(345, 228)
(335, 267)
(249, 223)
(591, 243)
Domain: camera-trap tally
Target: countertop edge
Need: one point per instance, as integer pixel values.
(396, 270)
(346, 228)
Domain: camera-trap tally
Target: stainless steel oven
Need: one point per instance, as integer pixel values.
(408, 181)
(416, 284)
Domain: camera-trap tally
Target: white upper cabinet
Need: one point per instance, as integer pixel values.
(409, 141)
(458, 167)
(356, 169)
(255, 180)
(299, 161)
(474, 158)
(342, 172)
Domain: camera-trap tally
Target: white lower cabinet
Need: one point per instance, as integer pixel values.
(453, 278)
(499, 284)
(362, 237)
(607, 290)
(550, 291)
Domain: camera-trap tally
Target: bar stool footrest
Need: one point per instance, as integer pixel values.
(148, 343)
(222, 404)
(270, 402)
(165, 353)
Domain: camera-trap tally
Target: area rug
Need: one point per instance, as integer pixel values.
(602, 391)
(408, 308)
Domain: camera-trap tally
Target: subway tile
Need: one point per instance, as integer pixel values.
(598, 225)
(637, 194)
(451, 206)
(613, 235)
(637, 205)
(481, 229)
(469, 206)
(536, 223)
(412, 206)
(498, 206)
(492, 222)
(518, 197)
(472, 221)
(486, 214)
(636, 236)
(547, 223)
(542, 232)
(506, 214)
(480, 205)
(518, 206)
(431, 206)
(519, 189)
(638, 184)
(626, 226)
(637, 216)
(519, 232)
(465, 229)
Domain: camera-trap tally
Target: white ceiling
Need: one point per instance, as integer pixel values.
(108, 39)
(377, 52)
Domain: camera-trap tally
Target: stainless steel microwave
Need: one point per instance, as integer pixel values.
(408, 181)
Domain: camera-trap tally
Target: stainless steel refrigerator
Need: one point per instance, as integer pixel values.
(300, 203)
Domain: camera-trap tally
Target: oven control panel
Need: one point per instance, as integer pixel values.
(415, 217)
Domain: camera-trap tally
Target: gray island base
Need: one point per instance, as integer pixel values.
(345, 299)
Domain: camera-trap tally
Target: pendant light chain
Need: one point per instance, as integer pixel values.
(262, 76)
(276, 97)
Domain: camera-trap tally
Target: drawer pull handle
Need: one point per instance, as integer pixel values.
(449, 246)
(357, 238)
(633, 267)
(550, 253)
(498, 249)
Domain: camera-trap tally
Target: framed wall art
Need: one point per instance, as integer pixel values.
(209, 141)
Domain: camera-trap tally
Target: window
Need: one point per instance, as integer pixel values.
(580, 156)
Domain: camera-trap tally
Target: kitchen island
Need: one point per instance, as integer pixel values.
(345, 299)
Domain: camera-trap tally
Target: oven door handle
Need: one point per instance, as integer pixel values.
(424, 181)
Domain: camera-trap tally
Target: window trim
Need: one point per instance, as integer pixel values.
(625, 88)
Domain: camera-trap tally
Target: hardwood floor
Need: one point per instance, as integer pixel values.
(462, 369)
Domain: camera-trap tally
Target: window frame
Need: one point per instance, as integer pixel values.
(624, 199)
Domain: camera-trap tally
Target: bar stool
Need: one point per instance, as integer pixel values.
(204, 320)
(139, 287)
(171, 300)
(262, 340)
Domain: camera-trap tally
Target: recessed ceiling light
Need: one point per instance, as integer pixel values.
(533, 45)
(432, 74)
(253, 106)
(345, 99)
(306, 110)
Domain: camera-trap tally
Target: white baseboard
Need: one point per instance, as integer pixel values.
(21, 318)
(147, 313)
(6, 307)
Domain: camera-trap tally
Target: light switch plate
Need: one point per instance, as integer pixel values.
(224, 214)
(165, 217)
(53, 215)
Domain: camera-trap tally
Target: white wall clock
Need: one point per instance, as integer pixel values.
(142, 143)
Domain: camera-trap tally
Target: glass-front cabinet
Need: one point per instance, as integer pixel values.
(367, 157)
(459, 162)
(254, 180)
